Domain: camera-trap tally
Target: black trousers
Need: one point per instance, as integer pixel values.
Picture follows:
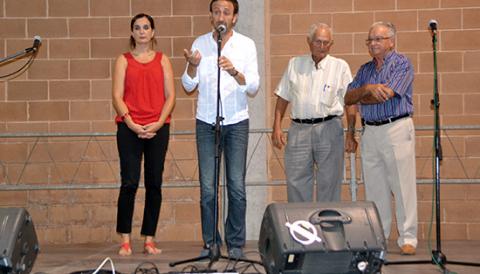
(130, 149)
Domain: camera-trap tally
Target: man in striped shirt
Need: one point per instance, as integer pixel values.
(383, 90)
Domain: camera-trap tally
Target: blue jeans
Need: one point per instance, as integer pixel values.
(234, 144)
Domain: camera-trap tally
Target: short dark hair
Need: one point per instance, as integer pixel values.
(132, 23)
(234, 2)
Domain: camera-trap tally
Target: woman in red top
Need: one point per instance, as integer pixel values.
(143, 96)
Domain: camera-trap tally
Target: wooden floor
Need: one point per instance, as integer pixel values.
(76, 258)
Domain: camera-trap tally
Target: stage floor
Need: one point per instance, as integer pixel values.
(75, 258)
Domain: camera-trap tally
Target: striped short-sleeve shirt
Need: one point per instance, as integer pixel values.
(396, 73)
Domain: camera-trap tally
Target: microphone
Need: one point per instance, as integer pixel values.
(37, 40)
(221, 29)
(432, 25)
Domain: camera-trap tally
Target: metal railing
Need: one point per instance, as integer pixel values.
(48, 140)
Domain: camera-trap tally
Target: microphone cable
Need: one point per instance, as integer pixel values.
(32, 52)
(21, 70)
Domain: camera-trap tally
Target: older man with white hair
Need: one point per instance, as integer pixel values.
(383, 88)
(315, 85)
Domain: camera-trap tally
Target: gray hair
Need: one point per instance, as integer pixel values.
(313, 28)
(392, 31)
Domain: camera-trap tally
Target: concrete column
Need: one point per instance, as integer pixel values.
(252, 23)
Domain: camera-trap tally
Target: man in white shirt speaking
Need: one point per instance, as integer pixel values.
(315, 85)
(238, 77)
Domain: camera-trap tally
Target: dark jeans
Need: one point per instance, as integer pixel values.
(234, 144)
(130, 149)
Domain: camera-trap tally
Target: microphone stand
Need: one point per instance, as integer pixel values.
(16, 55)
(214, 253)
(438, 258)
(32, 51)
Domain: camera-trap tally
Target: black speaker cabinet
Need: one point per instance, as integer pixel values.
(322, 238)
(18, 241)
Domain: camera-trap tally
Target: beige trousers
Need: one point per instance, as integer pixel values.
(388, 162)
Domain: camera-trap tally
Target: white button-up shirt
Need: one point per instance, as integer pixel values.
(312, 92)
(241, 51)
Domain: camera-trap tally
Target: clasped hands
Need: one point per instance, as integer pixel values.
(147, 131)
(379, 92)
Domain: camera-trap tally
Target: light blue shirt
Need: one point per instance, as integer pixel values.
(241, 51)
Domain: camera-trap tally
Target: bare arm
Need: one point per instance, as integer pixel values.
(117, 95)
(369, 94)
(118, 85)
(278, 138)
(169, 90)
(351, 115)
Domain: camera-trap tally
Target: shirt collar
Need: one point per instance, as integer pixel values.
(387, 57)
(213, 38)
(322, 64)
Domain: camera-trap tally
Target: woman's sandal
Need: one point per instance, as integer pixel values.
(125, 249)
(150, 249)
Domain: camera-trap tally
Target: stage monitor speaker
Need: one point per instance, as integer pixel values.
(18, 241)
(322, 238)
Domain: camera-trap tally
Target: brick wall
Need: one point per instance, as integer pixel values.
(67, 90)
(459, 79)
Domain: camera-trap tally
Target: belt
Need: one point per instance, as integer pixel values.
(314, 120)
(384, 122)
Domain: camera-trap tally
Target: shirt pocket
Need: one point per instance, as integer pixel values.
(327, 94)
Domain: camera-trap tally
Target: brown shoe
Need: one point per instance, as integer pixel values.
(407, 250)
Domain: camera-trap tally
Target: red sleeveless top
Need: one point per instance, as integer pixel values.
(144, 90)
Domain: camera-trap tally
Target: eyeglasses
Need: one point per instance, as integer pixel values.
(322, 42)
(376, 39)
